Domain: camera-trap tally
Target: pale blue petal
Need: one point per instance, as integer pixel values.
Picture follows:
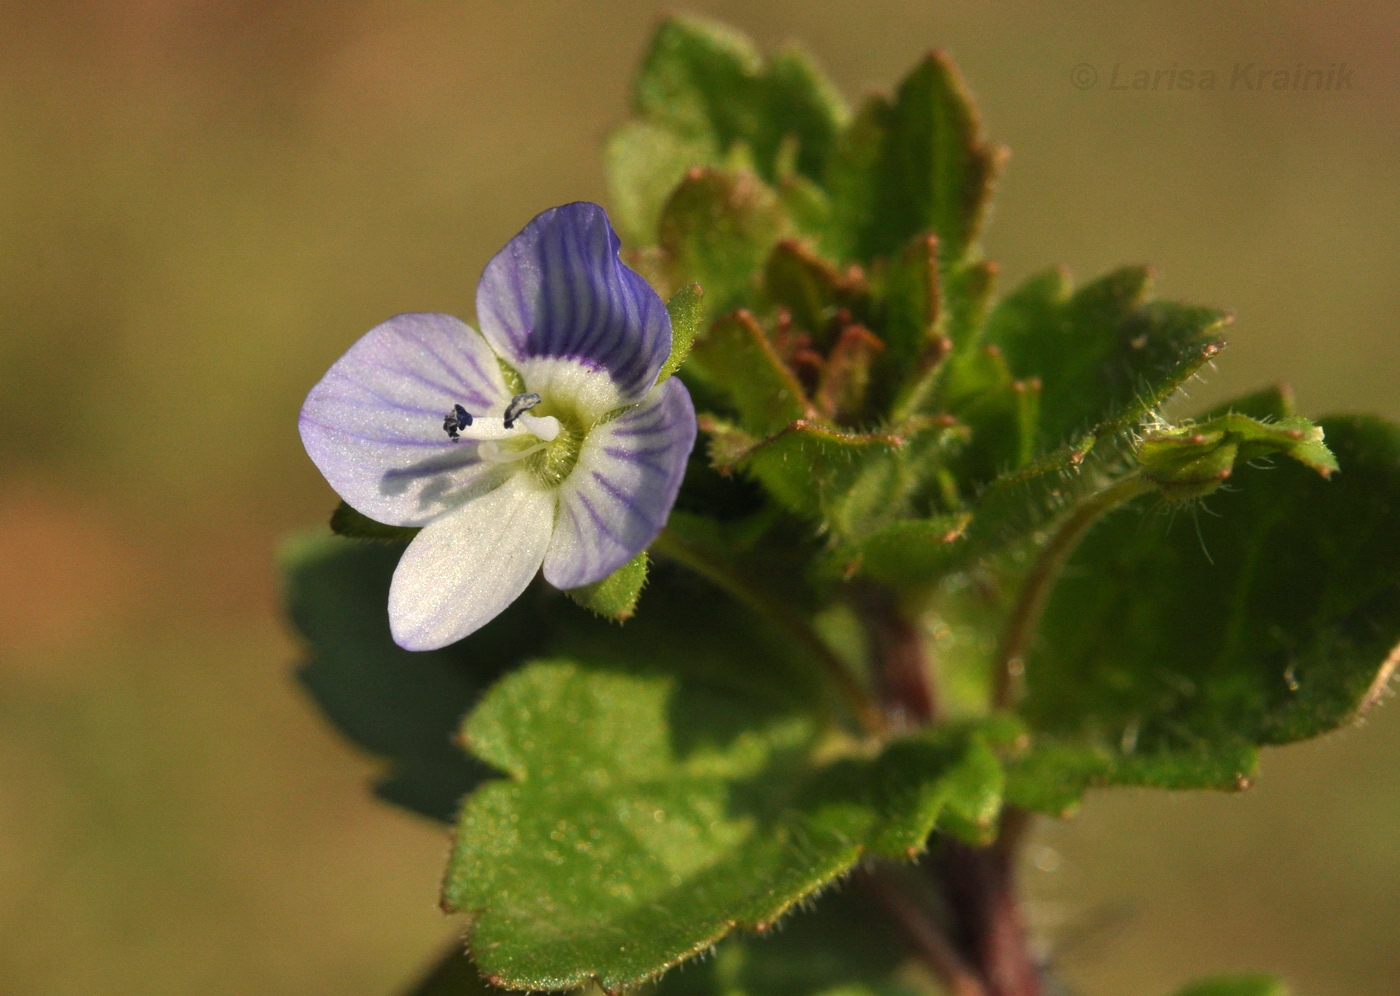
(620, 493)
(559, 289)
(373, 425)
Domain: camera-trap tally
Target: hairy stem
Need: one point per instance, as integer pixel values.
(1035, 590)
(780, 614)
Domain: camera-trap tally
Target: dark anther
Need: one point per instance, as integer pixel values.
(457, 419)
(519, 405)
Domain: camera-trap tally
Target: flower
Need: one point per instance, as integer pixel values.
(542, 441)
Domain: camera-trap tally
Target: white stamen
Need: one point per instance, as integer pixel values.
(491, 452)
(545, 427)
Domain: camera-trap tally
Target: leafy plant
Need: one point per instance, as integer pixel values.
(773, 735)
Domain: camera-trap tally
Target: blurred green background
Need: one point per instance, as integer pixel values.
(205, 202)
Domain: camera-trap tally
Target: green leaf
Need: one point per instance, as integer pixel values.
(1008, 512)
(1168, 344)
(852, 482)
(911, 317)
(913, 165)
(704, 92)
(404, 707)
(811, 288)
(687, 318)
(1167, 657)
(738, 359)
(1192, 461)
(614, 597)
(1106, 355)
(453, 975)
(668, 787)
(644, 163)
(704, 80)
(717, 230)
(845, 946)
(345, 521)
(1237, 985)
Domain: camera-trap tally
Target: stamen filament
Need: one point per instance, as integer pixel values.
(491, 452)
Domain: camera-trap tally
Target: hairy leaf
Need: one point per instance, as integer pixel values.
(914, 164)
(851, 482)
(1105, 354)
(716, 230)
(845, 945)
(811, 288)
(738, 360)
(1167, 656)
(667, 788)
(703, 92)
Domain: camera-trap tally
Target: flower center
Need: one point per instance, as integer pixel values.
(550, 443)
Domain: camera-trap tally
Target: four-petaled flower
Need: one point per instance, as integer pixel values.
(542, 441)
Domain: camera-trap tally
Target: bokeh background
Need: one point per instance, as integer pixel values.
(204, 202)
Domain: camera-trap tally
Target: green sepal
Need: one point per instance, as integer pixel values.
(914, 164)
(1237, 985)
(717, 229)
(649, 804)
(345, 521)
(687, 313)
(614, 597)
(1170, 659)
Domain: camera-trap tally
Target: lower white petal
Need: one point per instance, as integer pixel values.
(469, 564)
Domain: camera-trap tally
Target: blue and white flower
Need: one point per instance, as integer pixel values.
(542, 441)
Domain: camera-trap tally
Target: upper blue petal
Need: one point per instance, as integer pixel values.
(559, 289)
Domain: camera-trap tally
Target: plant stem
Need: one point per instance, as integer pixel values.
(902, 667)
(781, 614)
(980, 888)
(924, 934)
(1035, 590)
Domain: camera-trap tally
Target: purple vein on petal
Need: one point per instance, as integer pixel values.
(603, 525)
(627, 501)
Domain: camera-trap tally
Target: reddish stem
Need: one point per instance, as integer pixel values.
(902, 669)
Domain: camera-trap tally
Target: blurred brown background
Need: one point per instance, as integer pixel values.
(205, 202)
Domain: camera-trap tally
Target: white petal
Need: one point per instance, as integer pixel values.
(468, 565)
